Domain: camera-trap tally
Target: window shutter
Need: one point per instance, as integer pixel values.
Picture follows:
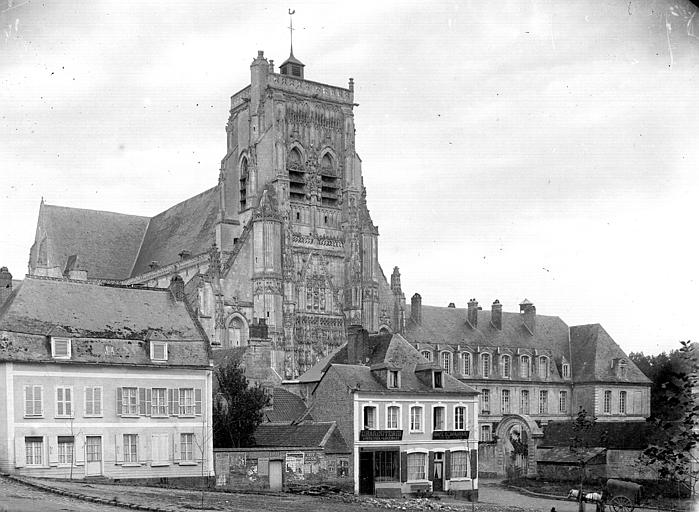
(196, 448)
(447, 465)
(403, 467)
(175, 402)
(197, 401)
(28, 401)
(149, 397)
(118, 452)
(97, 400)
(53, 450)
(142, 441)
(118, 401)
(474, 464)
(430, 466)
(176, 446)
(142, 401)
(87, 401)
(59, 401)
(79, 450)
(38, 391)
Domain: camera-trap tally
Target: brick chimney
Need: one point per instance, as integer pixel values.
(357, 342)
(496, 315)
(416, 308)
(527, 311)
(472, 313)
(177, 288)
(5, 284)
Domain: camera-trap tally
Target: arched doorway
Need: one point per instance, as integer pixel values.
(237, 332)
(516, 436)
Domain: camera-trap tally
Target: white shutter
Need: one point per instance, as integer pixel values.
(79, 450)
(118, 448)
(20, 452)
(97, 401)
(53, 450)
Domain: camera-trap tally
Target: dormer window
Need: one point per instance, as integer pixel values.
(623, 369)
(158, 351)
(60, 348)
(393, 379)
(427, 355)
(446, 361)
(566, 370)
(437, 379)
(506, 367)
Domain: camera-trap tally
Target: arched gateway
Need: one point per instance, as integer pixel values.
(516, 438)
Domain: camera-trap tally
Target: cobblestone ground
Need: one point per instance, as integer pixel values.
(16, 497)
(186, 501)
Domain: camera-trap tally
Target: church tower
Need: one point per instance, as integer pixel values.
(293, 214)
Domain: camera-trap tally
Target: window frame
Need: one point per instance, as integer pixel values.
(437, 379)
(486, 365)
(128, 455)
(69, 347)
(622, 401)
(525, 393)
(38, 445)
(126, 405)
(466, 364)
(542, 369)
(424, 473)
(525, 362)
(155, 403)
(64, 402)
(69, 457)
(543, 401)
(93, 414)
(485, 399)
(506, 366)
(393, 379)
(428, 356)
(565, 369)
(34, 401)
(184, 406)
(435, 408)
(563, 401)
(489, 433)
(607, 402)
(156, 345)
(467, 465)
(370, 406)
(399, 416)
(445, 361)
(464, 417)
(421, 426)
(505, 404)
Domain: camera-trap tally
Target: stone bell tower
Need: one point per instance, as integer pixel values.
(291, 187)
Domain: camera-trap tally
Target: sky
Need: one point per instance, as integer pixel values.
(521, 149)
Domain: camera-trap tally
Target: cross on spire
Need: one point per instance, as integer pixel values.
(291, 30)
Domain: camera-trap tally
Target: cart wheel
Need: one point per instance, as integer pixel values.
(621, 504)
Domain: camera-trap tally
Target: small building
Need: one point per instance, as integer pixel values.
(98, 380)
(285, 455)
(411, 426)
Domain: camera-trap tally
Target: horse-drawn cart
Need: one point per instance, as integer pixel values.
(621, 496)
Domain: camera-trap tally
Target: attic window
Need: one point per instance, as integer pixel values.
(158, 351)
(566, 370)
(393, 379)
(437, 379)
(60, 348)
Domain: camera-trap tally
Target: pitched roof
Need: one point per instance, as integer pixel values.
(108, 324)
(286, 407)
(304, 435)
(188, 225)
(106, 243)
(593, 350)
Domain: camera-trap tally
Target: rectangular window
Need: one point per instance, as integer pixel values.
(393, 378)
(459, 464)
(438, 420)
(66, 447)
(607, 402)
(485, 400)
(392, 415)
(369, 417)
(158, 402)
(60, 348)
(446, 361)
(32, 401)
(158, 351)
(416, 466)
(524, 402)
(524, 367)
(386, 465)
(159, 449)
(543, 367)
(506, 367)
(129, 401)
(543, 402)
(416, 419)
(186, 402)
(505, 401)
(437, 379)
(566, 370)
(467, 364)
(563, 401)
(93, 401)
(64, 402)
(459, 418)
(622, 402)
(34, 451)
(130, 447)
(485, 365)
(485, 433)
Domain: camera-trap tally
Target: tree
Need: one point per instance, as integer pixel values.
(583, 426)
(237, 408)
(673, 452)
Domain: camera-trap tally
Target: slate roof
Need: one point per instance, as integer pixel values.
(115, 246)
(593, 351)
(305, 435)
(286, 407)
(97, 317)
(106, 243)
(188, 225)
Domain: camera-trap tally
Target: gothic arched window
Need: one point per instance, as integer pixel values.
(297, 178)
(237, 333)
(329, 181)
(243, 183)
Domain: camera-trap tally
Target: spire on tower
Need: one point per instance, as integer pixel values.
(292, 66)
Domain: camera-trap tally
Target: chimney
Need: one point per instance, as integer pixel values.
(451, 305)
(177, 288)
(496, 315)
(184, 254)
(153, 265)
(527, 311)
(472, 313)
(5, 284)
(416, 308)
(395, 281)
(357, 341)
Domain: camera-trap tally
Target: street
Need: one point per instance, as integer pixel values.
(16, 497)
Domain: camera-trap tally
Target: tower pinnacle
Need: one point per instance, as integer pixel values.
(292, 66)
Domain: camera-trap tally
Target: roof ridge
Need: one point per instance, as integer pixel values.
(184, 201)
(44, 205)
(140, 247)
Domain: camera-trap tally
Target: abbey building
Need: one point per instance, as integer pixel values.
(281, 252)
